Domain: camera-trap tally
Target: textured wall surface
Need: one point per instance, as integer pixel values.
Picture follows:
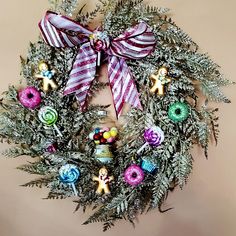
(206, 206)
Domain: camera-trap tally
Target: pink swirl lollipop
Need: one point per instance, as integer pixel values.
(153, 137)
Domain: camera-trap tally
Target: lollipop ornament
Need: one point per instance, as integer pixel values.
(49, 116)
(69, 174)
(153, 136)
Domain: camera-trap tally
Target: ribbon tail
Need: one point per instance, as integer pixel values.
(122, 85)
(82, 74)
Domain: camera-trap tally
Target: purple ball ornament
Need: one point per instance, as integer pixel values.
(51, 148)
(134, 175)
(153, 136)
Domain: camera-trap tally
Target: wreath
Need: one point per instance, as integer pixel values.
(154, 66)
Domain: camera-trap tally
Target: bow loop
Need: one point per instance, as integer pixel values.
(82, 74)
(132, 32)
(135, 43)
(60, 31)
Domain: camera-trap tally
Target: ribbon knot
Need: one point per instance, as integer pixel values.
(135, 43)
(99, 40)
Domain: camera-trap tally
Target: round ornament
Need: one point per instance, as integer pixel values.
(29, 97)
(113, 133)
(51, 147)
(106, 135)
(134, 175)
(91, 135)
(178, 112)
(111, 140)
(97, 130)
(96, 136)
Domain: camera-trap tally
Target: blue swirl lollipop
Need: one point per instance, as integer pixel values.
(69, 174)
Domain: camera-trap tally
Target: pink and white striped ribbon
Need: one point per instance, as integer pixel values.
(135, 43)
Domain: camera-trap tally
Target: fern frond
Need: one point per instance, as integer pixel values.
(160, 190)
(37, 168)
(18, 151)
(212, 91)
(41, 182)
(182, 166)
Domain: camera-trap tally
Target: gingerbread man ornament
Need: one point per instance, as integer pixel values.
(46, 75)
(159, 80)
(103, 181)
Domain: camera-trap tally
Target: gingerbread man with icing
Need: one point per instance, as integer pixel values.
(159, 80)
(103, 181)
(46, 75)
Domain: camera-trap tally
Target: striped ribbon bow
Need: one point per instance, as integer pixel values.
(135, 43)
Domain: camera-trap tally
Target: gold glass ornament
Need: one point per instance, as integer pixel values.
(103, 181)
(46, 75)
(159, 79)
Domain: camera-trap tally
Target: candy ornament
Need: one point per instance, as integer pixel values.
(46, 75)
(69, 174)
(49, 116)
(100, 41)
(104, 135)
(113, 132)
(103, 181)
(111, 140)
(153, 136)
(178, 112)
(103, 153)
(134, 175)
(30, 97)
(97, 130)
(159, 80)
(148, 165)
(103, 138)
